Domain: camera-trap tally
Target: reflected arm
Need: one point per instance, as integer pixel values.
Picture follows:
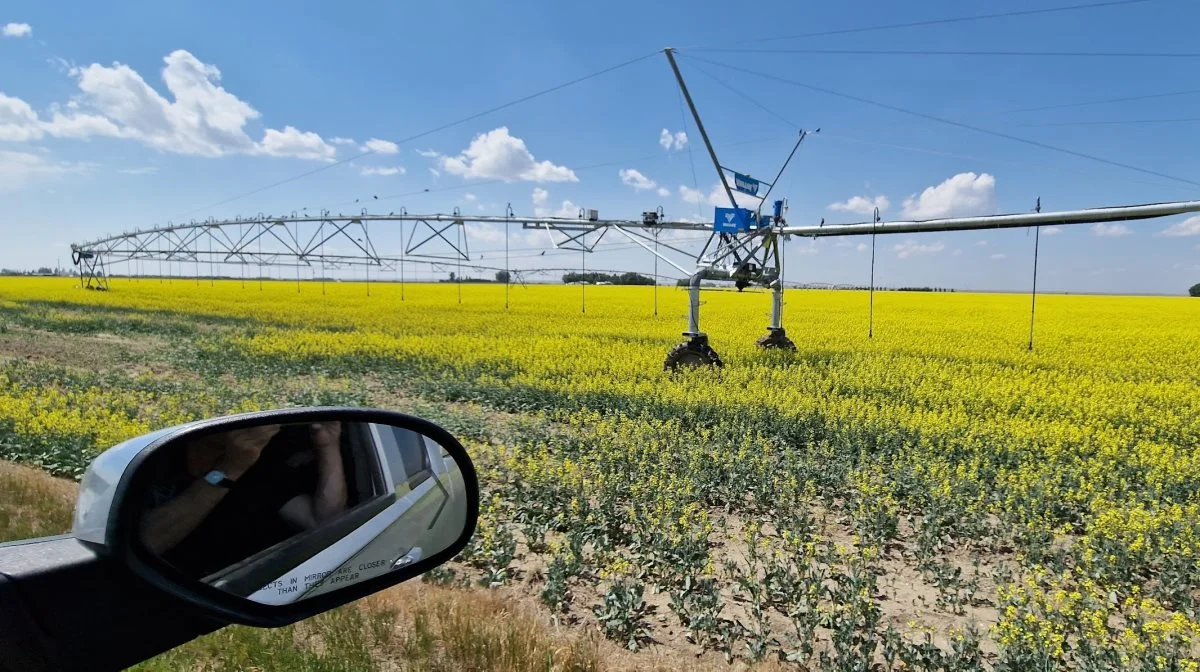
(309, 511)
(162, 528)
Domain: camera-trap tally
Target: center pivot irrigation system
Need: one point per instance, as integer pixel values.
(744, 243)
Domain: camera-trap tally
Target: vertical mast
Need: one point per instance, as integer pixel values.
(700, 126)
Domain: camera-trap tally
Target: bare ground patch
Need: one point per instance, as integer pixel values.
(94, 352)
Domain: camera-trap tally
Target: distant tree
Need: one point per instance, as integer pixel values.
(452, 276)
(592, 278)
(503, 276)
(1195, 290)
(631, 278)
(44, 270)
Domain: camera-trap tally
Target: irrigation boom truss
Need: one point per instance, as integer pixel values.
(742, 242)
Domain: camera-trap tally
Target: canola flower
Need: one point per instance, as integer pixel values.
(1083, 455)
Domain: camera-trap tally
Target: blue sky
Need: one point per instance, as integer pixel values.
(113, 118)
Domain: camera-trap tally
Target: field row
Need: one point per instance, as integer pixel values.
(934, 496)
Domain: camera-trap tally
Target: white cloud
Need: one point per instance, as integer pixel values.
(1051, 230)
(633, 178)
(567, 209)
(435, 172)
(18, 121)
(911, 247)
(956, 253)
(17, 30)
(486, 233)
(964, 195)
(1110, 230)
(295, 143)
(338, 140)
(690, 195)
(809, 249)
(663, 192)
(716, 196)
(62, 65)
(1188, 227)
(143, 170)
(469, 196)
(20, 169)
(981, 243)
(861, 247)
(999, 256)
(80, 126)
(380, 146)
(203, 119)
(500, 156)
(861, 205)
(383, 171)
(428, 153)
(672, 141)
(541, 200)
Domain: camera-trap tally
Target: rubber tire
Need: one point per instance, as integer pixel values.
(776, 341)
(691, 354)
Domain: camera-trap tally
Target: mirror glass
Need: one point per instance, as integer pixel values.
(280, 513)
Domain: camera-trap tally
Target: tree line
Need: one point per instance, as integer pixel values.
(595, 278)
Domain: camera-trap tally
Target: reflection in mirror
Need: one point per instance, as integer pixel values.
(280, 513)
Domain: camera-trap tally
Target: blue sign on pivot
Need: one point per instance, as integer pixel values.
(732, 220)
(745, 184)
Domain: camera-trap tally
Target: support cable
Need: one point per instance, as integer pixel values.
(1105, 101)
(954, 52)
(956, 124)
(949, 20)
(691, 156)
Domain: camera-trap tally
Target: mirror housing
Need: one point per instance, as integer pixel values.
(111, 504)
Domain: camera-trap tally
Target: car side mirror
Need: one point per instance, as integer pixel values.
(267, 518)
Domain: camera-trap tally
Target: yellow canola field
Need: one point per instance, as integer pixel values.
(1094, 436)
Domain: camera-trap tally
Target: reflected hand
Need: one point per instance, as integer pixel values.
(326, 435)
(244, 446)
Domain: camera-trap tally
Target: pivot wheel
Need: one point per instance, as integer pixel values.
(695, 352)
(776, 339)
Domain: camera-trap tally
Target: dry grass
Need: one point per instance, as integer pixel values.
(33, 503)
(436, 628)
(443, 628)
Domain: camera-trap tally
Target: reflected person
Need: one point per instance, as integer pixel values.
(225, 497)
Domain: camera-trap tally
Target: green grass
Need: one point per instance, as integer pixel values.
(337, 641)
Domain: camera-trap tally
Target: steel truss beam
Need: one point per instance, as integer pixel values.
(1122, 213)
(299, 241)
